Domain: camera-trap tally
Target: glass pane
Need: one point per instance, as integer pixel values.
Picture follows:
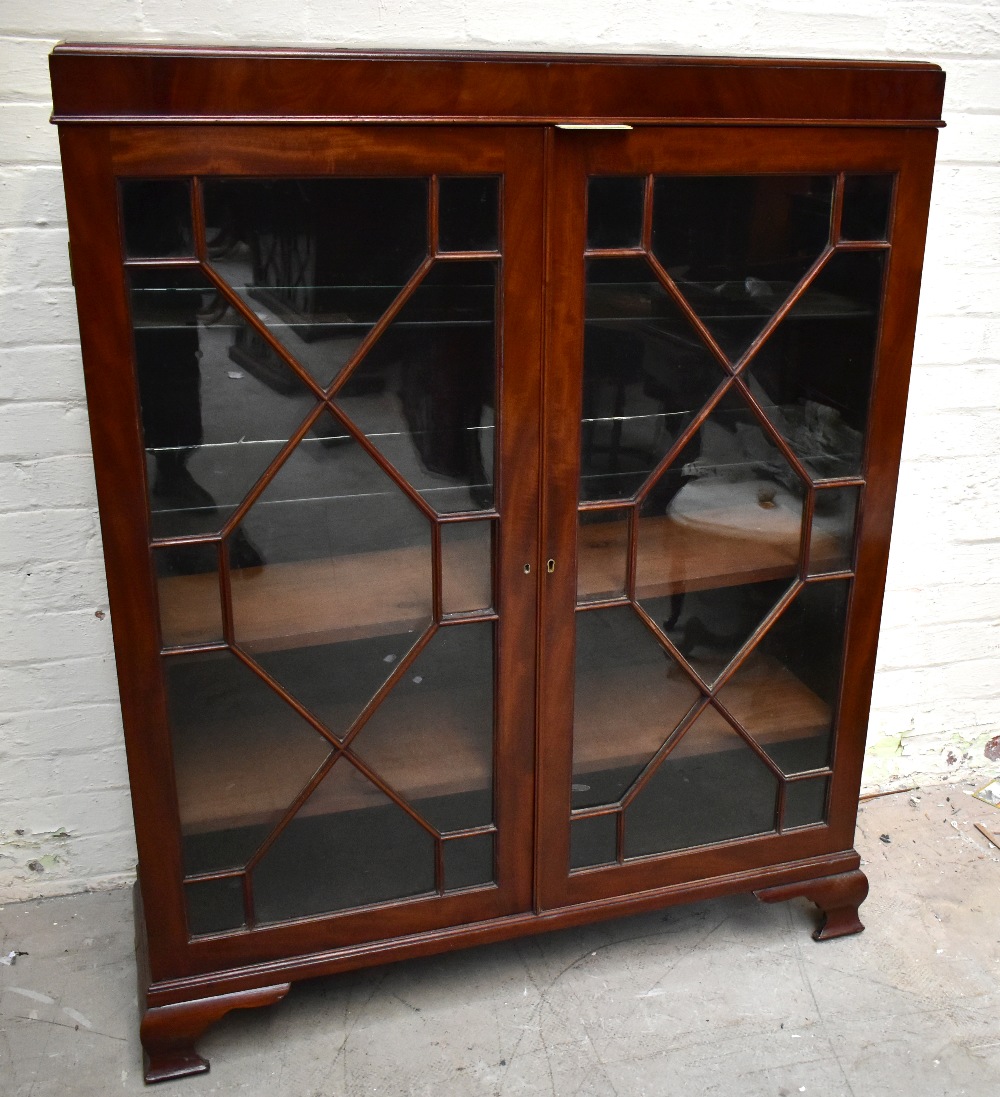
(156, 218)
(467, 213)
(602, 554)
(425, 393)
(241, 756)
(210, 429)
(867, 200)
(187, 584)
(785, 695)
(646, 373)
(214, 906)
(614, 211)
(630, 695)
(593, 841)
(832, 544)
(813, 375)
(348, 846)
(468, 862)
(719, 536)
(738, 245)
(431, 738)
(343, 586)
(710, 788)
(805, 802)
(318, 260)
(710, 626)
(466, 566)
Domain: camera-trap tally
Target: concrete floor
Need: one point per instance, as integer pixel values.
(721, 998)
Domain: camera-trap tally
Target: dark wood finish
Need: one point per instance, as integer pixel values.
(195, 113)
(167, 84)
(294, 965)
(168, 1033)
(838, 898)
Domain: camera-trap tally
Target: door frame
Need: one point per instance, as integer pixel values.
(696, 150)
(95, 157)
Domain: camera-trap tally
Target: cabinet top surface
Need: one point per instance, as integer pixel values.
(203, 85)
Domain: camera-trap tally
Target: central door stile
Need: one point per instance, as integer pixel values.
(565, 242)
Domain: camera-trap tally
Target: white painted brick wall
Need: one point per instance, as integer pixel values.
(64, 815)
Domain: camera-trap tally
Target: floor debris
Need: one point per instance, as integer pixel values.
(889, 792)
(988, 835)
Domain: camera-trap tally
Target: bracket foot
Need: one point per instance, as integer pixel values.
(168, 1033)
(838, 898)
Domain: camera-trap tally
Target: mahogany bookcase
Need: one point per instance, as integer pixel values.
(496, 459)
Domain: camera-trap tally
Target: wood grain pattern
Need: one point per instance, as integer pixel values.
(180, 84)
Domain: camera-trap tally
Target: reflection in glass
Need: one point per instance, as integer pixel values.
(343, 589)
(805, 802)
(241, 756)
(646, 373)
(349, 845)
(710, 788)
(210, 429)
(468, 862)
(614, 211)
(318, 260)
(785, 695)
(425, 393)
(466, 566)
(156, 218)
(709, 626)
(467, 213)
(602, 554)
(431, 739)
(738, 245)
(213, 906)
(867, 200)
(630, 695)
(813, 376)
(832, 544)
(593, 840)
(187, 584)
(727, 512)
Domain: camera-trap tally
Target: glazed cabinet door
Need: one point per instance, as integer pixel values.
(329, 354)
(731, 319)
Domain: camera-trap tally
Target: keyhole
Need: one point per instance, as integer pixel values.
(550, 567)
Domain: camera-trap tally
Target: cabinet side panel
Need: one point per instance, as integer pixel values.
(888, 409)
(92, 206)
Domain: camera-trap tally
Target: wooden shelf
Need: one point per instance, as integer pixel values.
(225, 779)
(312, 602)
(385, 593)
(612, 734)
(707, 546)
